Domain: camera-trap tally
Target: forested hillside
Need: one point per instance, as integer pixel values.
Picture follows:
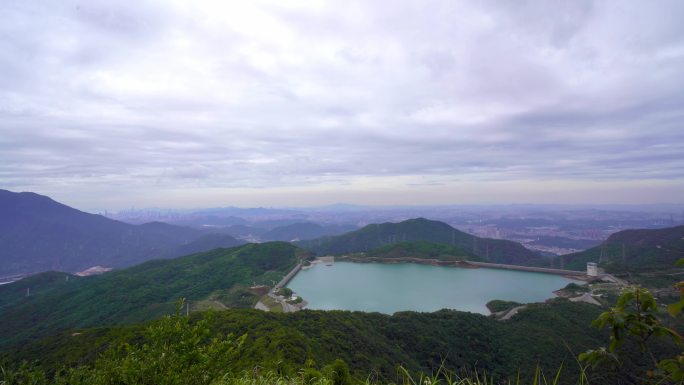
(142, 292)
(368, 342)
(640, 249)
(420, 229)
(421, 249)
(374, 345)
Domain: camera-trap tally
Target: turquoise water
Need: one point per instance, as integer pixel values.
(388, 288)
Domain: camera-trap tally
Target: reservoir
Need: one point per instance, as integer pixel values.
(388, 288)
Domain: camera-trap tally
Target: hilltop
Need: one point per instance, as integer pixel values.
(304, 231)
(39, 234)
(147, 291)
(640, 249)
(421, 229)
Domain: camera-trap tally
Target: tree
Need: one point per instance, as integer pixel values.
(635, 317)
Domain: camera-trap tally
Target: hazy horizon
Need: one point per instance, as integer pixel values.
(272, 104)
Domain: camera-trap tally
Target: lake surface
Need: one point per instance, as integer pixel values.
(388, 288)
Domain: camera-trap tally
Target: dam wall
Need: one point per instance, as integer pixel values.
(288, 277)
(528, 268)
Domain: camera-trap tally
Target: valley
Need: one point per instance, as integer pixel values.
(418, 292)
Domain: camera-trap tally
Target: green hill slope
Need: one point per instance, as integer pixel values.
(423, 250)
(369, 342)
(32, 286)
(641, 249)
(145, 291)
(420, 229)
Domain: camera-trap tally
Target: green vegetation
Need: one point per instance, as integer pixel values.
(635, 319)
(367, 342)
(498, 305)
(175, 350)
(633, 250)
(573, 287)
(423, 250)
(32, 285)
(285, 292)
(146, 291)
(272, 304)
(224, 346)
(420, 229)
(97, 330)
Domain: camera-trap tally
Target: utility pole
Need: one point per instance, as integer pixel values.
(28, 291)
(187, 309)
(604, 252)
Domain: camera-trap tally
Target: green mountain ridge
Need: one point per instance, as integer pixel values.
(421, 229)
(140, 293)
(638, 249)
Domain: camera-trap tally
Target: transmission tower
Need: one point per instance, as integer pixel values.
(604, 252)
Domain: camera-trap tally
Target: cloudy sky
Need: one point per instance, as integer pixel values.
(279, 103)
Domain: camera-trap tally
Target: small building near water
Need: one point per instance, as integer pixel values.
(593, 270)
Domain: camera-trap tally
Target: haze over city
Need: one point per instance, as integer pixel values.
(268, 103)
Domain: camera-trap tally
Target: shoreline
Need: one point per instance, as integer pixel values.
(570, 274)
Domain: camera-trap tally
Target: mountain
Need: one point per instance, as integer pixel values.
(304, 231)
(208, 242)
(143, 292)
(423, 250)
(640, 249)
(421, 229)
(39, 234)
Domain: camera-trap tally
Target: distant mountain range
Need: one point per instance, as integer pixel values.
(421, 229)
(305, 231)
(640, 249)
(39, 234)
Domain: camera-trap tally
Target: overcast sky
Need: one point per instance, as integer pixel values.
(111, 104)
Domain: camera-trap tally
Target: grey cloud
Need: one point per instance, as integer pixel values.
(139, 94)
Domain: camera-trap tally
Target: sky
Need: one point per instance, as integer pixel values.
(113, 104)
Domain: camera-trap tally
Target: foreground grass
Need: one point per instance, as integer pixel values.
(333, 376)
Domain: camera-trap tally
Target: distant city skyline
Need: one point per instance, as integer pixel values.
(285, 104)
